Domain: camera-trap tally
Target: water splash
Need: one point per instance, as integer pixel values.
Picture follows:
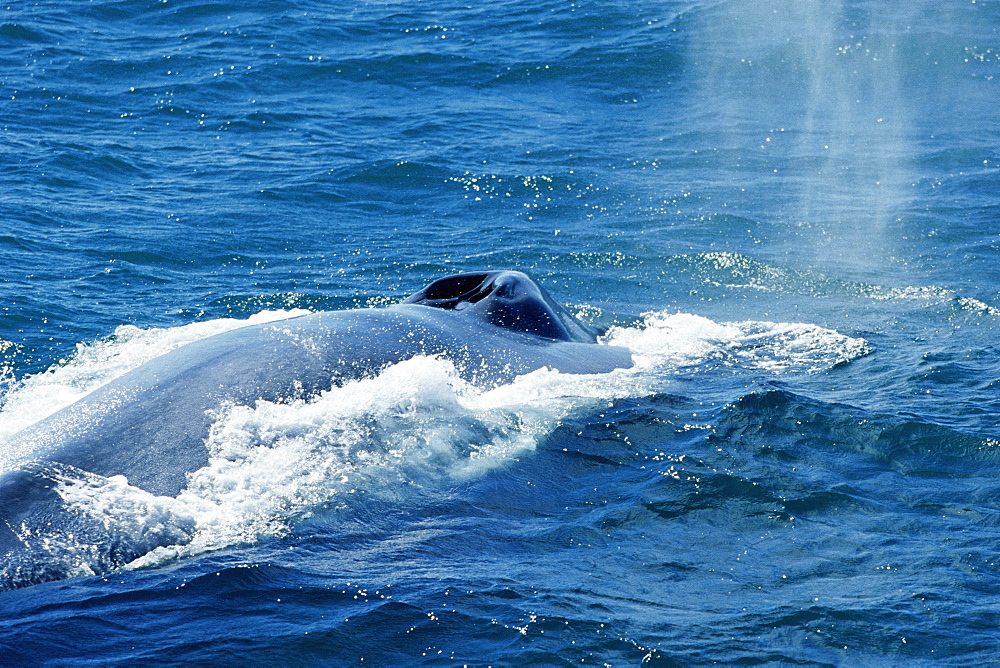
(417, 427)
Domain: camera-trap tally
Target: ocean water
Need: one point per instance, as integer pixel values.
(789, 212)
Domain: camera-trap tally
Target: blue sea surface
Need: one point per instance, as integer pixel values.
(790, 212)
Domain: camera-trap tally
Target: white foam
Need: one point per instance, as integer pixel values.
(669, 342)
(974, 305)
(416, 426)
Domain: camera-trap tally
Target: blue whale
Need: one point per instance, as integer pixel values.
(150, 424)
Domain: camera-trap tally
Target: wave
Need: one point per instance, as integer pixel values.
(725, 269)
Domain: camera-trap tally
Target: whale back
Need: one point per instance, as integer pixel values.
(150, 425)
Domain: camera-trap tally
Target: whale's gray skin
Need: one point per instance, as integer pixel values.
(150, 424)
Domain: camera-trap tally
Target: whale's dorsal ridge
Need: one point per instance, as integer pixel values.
(507, 299)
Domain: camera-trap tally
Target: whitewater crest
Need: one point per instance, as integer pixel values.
(417, 426)
(672, 341)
